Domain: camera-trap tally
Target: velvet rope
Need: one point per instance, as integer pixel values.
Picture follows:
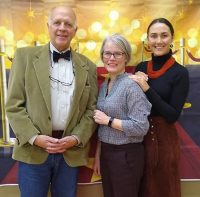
(192, 57)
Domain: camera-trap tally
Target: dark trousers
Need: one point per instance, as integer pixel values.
(121, 169)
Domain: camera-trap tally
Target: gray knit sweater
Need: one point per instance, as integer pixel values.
(125, 101)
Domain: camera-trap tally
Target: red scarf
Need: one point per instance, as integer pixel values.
(155, 74)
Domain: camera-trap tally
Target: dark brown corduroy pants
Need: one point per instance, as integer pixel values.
(121, 169)
(162, 154)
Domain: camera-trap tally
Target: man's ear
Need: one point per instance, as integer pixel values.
(76, 28)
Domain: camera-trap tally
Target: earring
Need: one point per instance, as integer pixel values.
(171, 46)
(147, 48)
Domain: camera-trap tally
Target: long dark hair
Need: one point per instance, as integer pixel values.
(161, 20)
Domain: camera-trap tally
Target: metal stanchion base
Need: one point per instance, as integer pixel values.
(187, 105)
(7, 144)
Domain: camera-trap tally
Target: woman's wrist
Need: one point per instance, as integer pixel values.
(110, 121)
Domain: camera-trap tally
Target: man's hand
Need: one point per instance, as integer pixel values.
(45, 141)
(68, 142)
(50, 144)
(53, 145)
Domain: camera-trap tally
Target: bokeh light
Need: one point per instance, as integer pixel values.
(9, 35)
(81, 33)
(21, 43)
(10, 51)
(114, 15)
(135, 24)
(81, 47)
(43, 38)
(127, 30)
(115, 29)
(103, 33)
(192, 42)
(96, 26)
(28, 37)
(192, 32)
(2, 31)
(144, 37)
(97, 49)
(91, 45)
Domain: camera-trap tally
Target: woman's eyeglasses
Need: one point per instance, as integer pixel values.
(116, 55)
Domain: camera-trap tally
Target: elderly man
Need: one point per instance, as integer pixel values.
(51, 98)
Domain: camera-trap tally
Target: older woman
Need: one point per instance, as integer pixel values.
(122, 114)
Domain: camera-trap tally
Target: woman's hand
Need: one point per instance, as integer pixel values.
(141, 78)
(100, 117)
(141, 74)
(96, 166)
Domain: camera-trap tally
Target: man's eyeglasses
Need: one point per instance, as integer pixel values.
(117, 55)
(61, 82)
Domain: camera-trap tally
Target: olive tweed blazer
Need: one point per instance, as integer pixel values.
(28, 104)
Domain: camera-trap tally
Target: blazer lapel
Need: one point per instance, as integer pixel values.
(41, 64)
(81, 75)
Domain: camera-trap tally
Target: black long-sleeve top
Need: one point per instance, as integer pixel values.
(168, 92)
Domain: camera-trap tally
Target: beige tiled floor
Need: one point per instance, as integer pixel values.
(94, 190)
(189, 189)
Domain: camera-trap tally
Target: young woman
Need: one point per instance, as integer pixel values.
(122, 114)
(166, 84)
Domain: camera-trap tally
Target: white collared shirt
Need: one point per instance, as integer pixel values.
(62, 87)
(62, 81)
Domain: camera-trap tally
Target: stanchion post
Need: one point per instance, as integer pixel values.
(6, 140)
(142, 51)
(182, 51)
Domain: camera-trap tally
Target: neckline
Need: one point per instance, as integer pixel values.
(118, 77)
(158, 61)
(157, 73)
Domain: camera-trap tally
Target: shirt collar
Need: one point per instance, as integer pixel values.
(52, 48)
